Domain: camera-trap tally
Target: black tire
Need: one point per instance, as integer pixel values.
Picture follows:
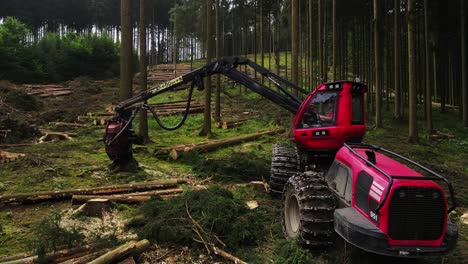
(285, 163)
(307, 211)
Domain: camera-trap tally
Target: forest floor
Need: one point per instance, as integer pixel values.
(82, 162)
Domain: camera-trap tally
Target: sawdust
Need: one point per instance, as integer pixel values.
(464, 218)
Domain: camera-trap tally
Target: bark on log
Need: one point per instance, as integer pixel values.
(130, 199)
(129, 249)
(86, 258)
(67, 194)
(177, 151)
(54, 255)
(227, 256)
(68, 124)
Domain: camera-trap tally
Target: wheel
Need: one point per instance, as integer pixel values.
(307, 211)
(285, 163)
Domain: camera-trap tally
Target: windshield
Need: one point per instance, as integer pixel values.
(320, 110)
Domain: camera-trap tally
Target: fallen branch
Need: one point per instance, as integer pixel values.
(67, 194)
(128, 249)
(227, 256)
(177, 151)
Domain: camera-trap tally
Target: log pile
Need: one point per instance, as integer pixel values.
(49, 90)
(6, 157)
(175, 152)
(121, 193)
(86, 254)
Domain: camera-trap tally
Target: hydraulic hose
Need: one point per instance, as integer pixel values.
(184, 117)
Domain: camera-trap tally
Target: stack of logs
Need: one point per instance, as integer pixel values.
(49, 90)
(6, 157)
(126, 253)
(126, 193)
(165, 72)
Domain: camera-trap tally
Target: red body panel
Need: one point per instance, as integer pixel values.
(380, 185)
(337, 134)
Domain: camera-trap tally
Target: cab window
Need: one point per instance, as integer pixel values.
(357, 108)
(320, 111)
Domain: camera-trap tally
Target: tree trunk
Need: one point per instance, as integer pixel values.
(218, 56)
(428, 89)
(396, 54)
(464, 67)
(320, 43)
(127, 163)
(378, 66)
(206, 131)
(335, 41)
(143, 122)
(126, 50)
(413, 131)
(294, 42)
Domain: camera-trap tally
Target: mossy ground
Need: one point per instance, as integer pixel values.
(82, 162)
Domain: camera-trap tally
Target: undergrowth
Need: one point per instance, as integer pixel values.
(50, 235)
(233, 166)
(213, 215)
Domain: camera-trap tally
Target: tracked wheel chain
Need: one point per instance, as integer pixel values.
(316, 207)
(285, 163)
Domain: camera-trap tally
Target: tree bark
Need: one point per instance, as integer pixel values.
(143, 122)
(294, 42)
(126, 50)
(323, 75)
(378, 66)
(413, 131)
(206, 131)
(128, 249)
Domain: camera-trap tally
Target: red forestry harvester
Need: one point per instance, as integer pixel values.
(329, 181)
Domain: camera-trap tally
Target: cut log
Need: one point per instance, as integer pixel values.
(68, 124)
(128, 249)
(86, 258)
(177, 151)
(128, 199)
(67, 194)
(61, 254)
(6, 157)
(227, 256)
(151, 193)
(79, 199)
(128, 260)
(15, 257)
